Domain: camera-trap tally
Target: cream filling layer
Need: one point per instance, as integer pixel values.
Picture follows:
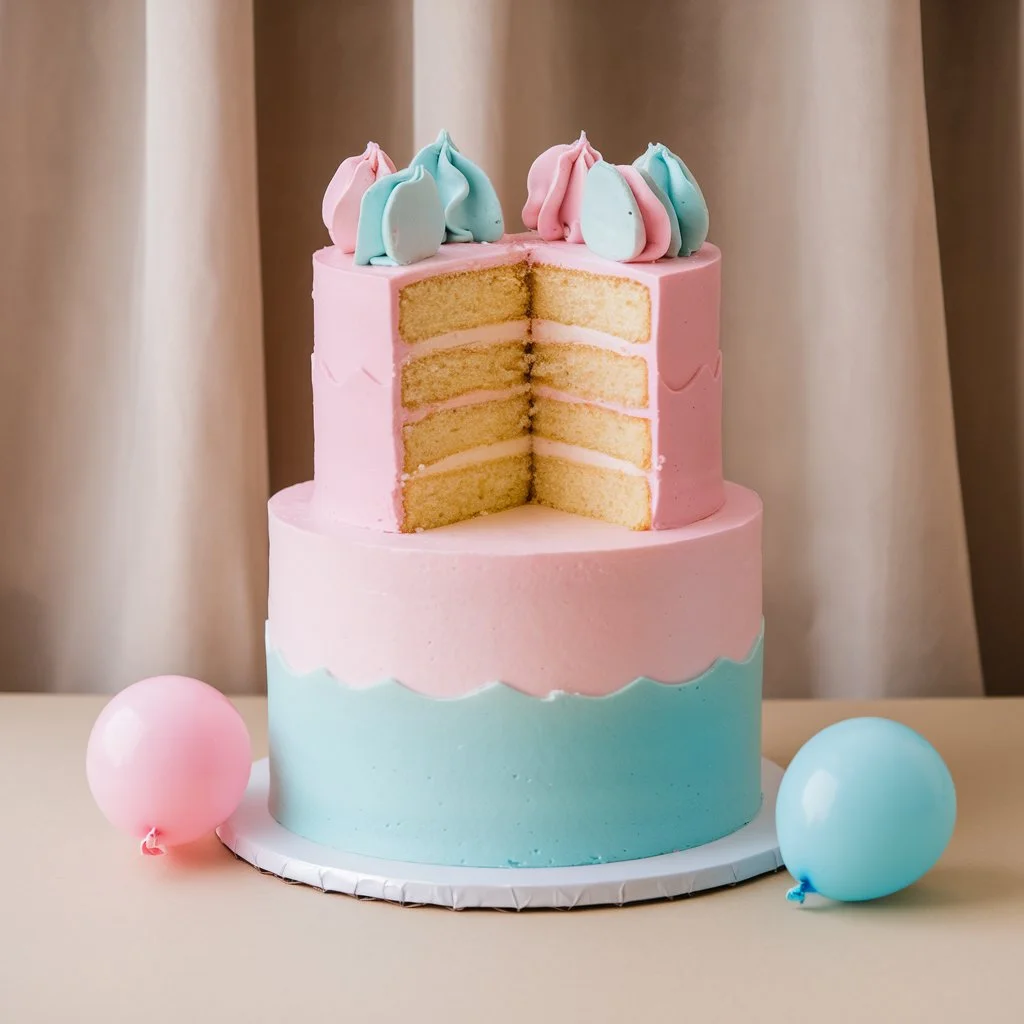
(574, 453)
(549, 330)
(560, 396)
(490, 334)
(523, 330)
(523, 446)
(472, 456)
(470, 398)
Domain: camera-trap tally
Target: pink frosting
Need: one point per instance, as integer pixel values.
(359, 352)
(546, 600)
(555, 190)
(345, 193)
(354, 427)
(688, 481)
(684, 373)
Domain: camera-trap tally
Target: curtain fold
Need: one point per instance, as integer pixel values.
(158, 319)
(973, 80)
(134, 467)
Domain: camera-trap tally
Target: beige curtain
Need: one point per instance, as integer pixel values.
(862, 163)
(132, 398)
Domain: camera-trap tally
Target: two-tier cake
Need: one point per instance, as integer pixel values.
(515, 619)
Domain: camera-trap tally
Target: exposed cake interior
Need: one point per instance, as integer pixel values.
(517, 388)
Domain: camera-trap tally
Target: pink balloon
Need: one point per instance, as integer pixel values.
(168, 761)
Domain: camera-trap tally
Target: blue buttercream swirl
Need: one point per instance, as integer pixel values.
(472, 212)
(401, 220)
(674, 181)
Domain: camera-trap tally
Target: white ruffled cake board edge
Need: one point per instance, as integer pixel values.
(254, 836)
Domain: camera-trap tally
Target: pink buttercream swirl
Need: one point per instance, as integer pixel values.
(345, 193)
(555, 190)
(657, 225)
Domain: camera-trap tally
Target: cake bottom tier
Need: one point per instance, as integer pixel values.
(498, 778)
(528, 690)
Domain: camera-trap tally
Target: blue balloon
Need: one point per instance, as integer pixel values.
(865, 808)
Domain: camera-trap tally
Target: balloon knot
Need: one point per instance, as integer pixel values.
(149, 847)
(798, 892)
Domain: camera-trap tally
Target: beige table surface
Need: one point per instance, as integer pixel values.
(91, 931)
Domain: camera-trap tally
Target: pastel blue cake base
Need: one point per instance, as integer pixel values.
(498, 778)
(254, 836)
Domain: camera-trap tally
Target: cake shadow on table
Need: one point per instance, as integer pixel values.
(944, 888)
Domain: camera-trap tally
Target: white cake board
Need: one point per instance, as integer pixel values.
(252, 834)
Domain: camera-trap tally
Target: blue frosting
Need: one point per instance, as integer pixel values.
(610, 219)
(472, 212)
(400, 220)
(676, 239)
(676, 184)
(499, 778)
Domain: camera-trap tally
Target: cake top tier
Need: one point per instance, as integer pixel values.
(649, 210)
